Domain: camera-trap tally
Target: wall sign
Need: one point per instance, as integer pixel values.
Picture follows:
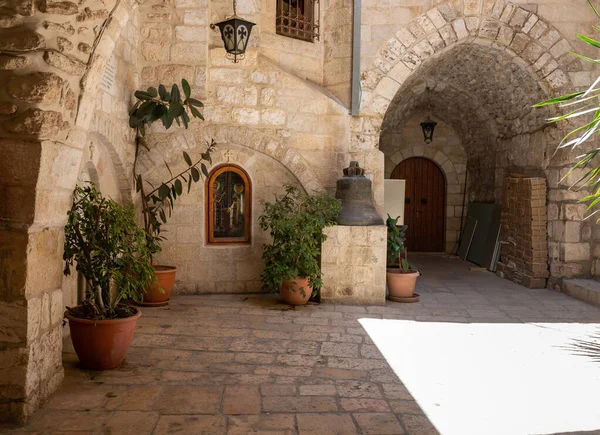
(107, 84)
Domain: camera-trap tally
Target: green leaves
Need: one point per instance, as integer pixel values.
(186, 88)
(187, 158)
(156, 104)
(396, 236)
(296, 222)
(110, 250)
(195, 174)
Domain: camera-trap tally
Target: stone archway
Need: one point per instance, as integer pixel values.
(52, 66)
(254, 139)
(455, 41)
(532, 43)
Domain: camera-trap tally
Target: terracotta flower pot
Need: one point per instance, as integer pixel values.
(102, 344)
(166, 278)
(290, 290)
(401, 285)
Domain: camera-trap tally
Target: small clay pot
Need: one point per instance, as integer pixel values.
(401, 285)
(290, 290)
(102, 344)
(166, 278)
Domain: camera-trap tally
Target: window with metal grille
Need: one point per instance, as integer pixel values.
(298, 19)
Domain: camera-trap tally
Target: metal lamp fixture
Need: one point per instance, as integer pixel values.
(235, 33)
(429, 124)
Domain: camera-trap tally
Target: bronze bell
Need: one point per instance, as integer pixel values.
(355, 193)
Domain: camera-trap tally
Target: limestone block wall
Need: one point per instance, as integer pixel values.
(52, 56)
(353, 265)
(446, 151)
(524, 251)
(203, 268)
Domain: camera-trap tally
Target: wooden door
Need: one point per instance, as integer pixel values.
(424, 205)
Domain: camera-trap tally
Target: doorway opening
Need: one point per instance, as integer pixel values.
(424, 203)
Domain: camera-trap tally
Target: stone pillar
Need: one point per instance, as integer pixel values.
(52, 55)
(353, 263)
(524, 255)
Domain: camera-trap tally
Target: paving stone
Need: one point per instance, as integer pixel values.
(79, 397)
(332, 373)
(69, 420)
(268, 424)
(256, 345)
(359, 389)
(278, 390)
(195, 378)
(189, 400)
(303, 347)
(299, 404)
(317, 390)
(418, 425)
(133, 399)
(190, 424)
(348, 350)
(300, 360)
(254, 358)
(396, 391)
(345, 338)
(405, 407)
(241, 399)
(379, 423)
(364, 405)
(244, 361)
(370, 351)
(131, 423)
(326, 424)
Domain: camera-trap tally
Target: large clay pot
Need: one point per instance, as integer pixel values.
(290, 290)
(401, 285)
(102, 344)
(153, 295)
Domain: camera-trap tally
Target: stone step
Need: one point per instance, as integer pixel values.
(587, 290)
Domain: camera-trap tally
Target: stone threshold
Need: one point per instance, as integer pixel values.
(587, 290)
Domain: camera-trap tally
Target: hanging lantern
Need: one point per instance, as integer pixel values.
(235, 33)
(428, 127)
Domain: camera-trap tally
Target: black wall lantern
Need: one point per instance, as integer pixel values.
(428, 127)
(429, 124)
(235, 33)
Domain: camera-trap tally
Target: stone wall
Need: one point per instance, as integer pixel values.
(446, 151)
(524, 251)
(52, 56)
(353, 265)
(203, 268)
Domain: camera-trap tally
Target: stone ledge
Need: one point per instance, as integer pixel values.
(586, 290)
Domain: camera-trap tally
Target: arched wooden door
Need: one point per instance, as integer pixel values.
(424, 205)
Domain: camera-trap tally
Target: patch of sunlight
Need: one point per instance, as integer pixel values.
(506, 379)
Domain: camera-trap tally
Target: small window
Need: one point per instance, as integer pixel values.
(298, 19)
(229, 197)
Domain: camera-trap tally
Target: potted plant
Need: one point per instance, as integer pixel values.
(110, 250)
(296, 221)
(401, 279)
(158, 200)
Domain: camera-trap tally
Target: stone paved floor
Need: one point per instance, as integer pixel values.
(233, 364)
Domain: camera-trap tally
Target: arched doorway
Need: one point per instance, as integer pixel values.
(424, 204)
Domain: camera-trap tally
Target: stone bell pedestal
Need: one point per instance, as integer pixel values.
(353, 258)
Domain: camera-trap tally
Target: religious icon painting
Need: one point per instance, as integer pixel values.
(229, 199)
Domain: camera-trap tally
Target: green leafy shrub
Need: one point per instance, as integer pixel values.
(110, 250)
(168, 107)
(296, 221)
(396, 236)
